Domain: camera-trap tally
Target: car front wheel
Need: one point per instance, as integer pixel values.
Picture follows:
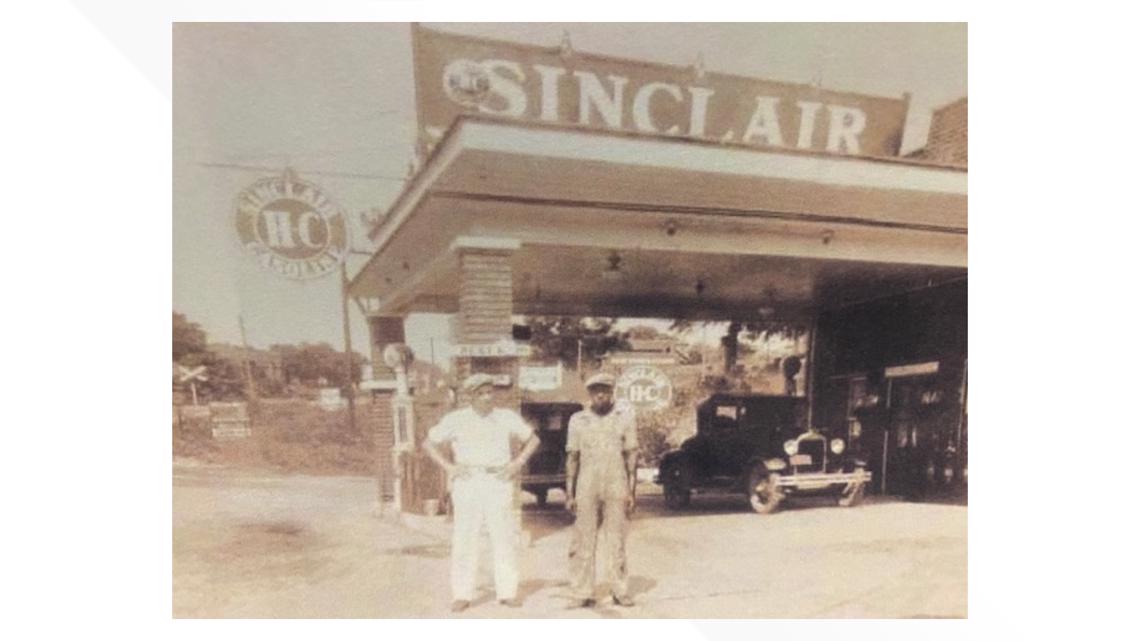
(763, 490)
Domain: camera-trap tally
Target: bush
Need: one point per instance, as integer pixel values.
(664, 430)
(652, 438)
(660, 431)
(292, 435)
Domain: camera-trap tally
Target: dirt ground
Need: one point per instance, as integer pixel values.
(256, 544)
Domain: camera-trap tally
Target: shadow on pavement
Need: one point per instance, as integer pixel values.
(547, 520)
(430, 551)
(531, 587)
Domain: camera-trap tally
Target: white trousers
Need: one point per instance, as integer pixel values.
(481, 500)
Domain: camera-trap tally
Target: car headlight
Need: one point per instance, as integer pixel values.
(837, 446)
(791, 447)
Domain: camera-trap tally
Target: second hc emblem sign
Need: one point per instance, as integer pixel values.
(292, 227)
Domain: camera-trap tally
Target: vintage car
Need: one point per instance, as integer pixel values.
(755, 445)
(546, 469)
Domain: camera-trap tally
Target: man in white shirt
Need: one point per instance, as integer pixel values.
(482, 490)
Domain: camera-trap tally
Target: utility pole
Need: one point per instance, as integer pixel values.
(347, 346)
(250, 389)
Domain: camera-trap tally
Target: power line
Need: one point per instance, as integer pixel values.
(213, 149)
(335, 174)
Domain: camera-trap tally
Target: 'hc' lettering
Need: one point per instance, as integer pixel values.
(279, 229)
(644, 393)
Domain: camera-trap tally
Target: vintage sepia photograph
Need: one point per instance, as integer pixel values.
(569, 320)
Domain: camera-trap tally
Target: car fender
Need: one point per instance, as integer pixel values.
(771, 464)
(669, 459)
(673, 457)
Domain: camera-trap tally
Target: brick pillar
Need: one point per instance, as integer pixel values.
(486, 299)
(485, 296)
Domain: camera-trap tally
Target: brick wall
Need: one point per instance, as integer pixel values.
(947, 140)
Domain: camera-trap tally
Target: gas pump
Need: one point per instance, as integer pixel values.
(398, 357)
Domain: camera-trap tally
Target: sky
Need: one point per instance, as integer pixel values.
(331, 99)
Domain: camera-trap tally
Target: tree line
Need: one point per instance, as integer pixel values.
(288, 370)
(282, 370)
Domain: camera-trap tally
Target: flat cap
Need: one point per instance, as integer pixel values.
(475, 381)
(600, 380)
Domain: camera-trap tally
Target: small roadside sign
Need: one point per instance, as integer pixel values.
(330, 399)
(230, 420)
(538, 378)
(502, 349)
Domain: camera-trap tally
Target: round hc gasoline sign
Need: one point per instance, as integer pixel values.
(644, 387)
(291, 227)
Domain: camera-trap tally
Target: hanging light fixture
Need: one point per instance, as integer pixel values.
(767, 308)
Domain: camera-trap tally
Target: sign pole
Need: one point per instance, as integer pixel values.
(251, 390)
(194, 391)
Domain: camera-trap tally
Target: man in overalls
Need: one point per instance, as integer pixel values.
(601, 476)
(482, 488)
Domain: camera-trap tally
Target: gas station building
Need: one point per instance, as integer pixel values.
(523, 214)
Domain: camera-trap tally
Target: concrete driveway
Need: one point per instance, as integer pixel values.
(257, 544)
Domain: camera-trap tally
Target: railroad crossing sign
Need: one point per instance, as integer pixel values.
(186, 375)
(192, 376)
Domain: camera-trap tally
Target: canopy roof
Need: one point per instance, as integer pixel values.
(620, 224)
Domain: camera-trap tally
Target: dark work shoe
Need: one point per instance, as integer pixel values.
(511, 603)
(582, 603)
(459, 606)
(623, 600)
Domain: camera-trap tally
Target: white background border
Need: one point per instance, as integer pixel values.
(1053, 222)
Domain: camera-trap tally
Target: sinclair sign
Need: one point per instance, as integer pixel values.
(291, 227)
(459, 74)
(644, 387)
